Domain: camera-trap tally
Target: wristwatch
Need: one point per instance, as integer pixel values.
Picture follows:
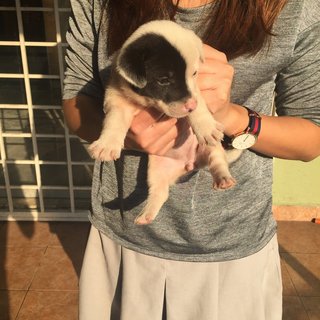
(248, 137)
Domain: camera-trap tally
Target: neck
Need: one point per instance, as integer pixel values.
(192, 3)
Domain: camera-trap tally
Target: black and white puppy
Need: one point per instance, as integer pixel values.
(157, 67)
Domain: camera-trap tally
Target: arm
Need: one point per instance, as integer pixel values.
(300, 138)
(150, 131)
(83, 91)
(281, 137)
(284, 137)
(294, 134)
(84, 116)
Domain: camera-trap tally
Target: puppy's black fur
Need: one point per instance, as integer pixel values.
(158, 65)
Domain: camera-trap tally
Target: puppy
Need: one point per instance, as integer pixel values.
(157, 67)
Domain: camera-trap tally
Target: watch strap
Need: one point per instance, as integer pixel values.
(254, 127)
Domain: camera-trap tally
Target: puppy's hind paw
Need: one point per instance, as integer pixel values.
(101, 151)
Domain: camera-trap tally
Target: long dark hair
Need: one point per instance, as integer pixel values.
(235, 27)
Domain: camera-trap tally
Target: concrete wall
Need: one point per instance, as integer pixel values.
(296, 183)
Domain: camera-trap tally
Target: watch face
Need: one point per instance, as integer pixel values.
(244, 141)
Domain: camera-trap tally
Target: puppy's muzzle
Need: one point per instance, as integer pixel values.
(190, 105)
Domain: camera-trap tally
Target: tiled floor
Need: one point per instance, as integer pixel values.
(40, 265)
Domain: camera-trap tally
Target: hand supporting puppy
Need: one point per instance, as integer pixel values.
(155, 133)
(214, 81)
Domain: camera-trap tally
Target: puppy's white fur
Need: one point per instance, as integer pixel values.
(122, 104)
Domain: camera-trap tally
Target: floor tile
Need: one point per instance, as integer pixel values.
(23, 234)
(299, 237)
(288, 287)
(69, 234)
(2, 224)
(312, 305)
(47, 257)
(19, 266)
(59, 305)
(293, 309)
(59, 270)
(304, 271)
(10, 303)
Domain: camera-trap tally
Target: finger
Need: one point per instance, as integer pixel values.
(144, 138)
(212, 53)
(157, 146)
(215, 67)
(206, 82)
(145, 118)
(165, 141)
(161, 130)
(220, 94)
(176, 135)
(221, 80)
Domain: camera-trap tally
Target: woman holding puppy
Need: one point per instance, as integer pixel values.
(209, 255)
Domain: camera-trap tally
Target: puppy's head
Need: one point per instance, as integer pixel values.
(160, 60)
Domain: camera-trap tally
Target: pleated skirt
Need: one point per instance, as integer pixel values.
(120, 284)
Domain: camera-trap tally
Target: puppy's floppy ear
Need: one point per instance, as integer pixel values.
(200, 48)
(130, 64)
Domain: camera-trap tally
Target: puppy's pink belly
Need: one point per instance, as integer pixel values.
(171, 168)
(184, 155)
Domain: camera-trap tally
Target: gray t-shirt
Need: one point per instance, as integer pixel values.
(198, 223)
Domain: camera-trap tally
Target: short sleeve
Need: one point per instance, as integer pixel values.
(298, 84)
(82, 75)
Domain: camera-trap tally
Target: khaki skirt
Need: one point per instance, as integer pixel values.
(120, 284)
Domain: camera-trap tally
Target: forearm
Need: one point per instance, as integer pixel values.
(84, 116)
(281, 137)
(289, 138)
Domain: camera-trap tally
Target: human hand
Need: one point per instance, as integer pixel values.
(214, 80)
(154, 132)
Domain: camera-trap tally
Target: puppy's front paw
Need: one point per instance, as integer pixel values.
(209, 133)
(143, 219)
(223, 183)
(105, 150)
(146, 216)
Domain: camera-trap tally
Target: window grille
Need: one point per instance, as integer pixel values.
(45, 173)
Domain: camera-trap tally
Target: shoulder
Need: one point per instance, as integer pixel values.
(302, 13)
(309, 14)
(88, 5)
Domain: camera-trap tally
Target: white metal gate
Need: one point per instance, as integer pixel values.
(45, 173)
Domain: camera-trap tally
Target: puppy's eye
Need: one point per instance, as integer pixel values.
(163, 81)
(195, 73)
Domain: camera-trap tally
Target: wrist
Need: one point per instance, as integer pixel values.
(236, 121)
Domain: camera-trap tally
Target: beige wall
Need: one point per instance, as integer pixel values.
(297, 183)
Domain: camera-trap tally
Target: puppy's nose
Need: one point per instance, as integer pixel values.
(190, 105)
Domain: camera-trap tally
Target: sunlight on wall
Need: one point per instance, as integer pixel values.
(296, 183)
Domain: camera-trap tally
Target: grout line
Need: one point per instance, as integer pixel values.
(53, 290)
(299, 252)
(295, 287)
(22, 303)
(305, 309)
(291, 281)
(38, 267)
